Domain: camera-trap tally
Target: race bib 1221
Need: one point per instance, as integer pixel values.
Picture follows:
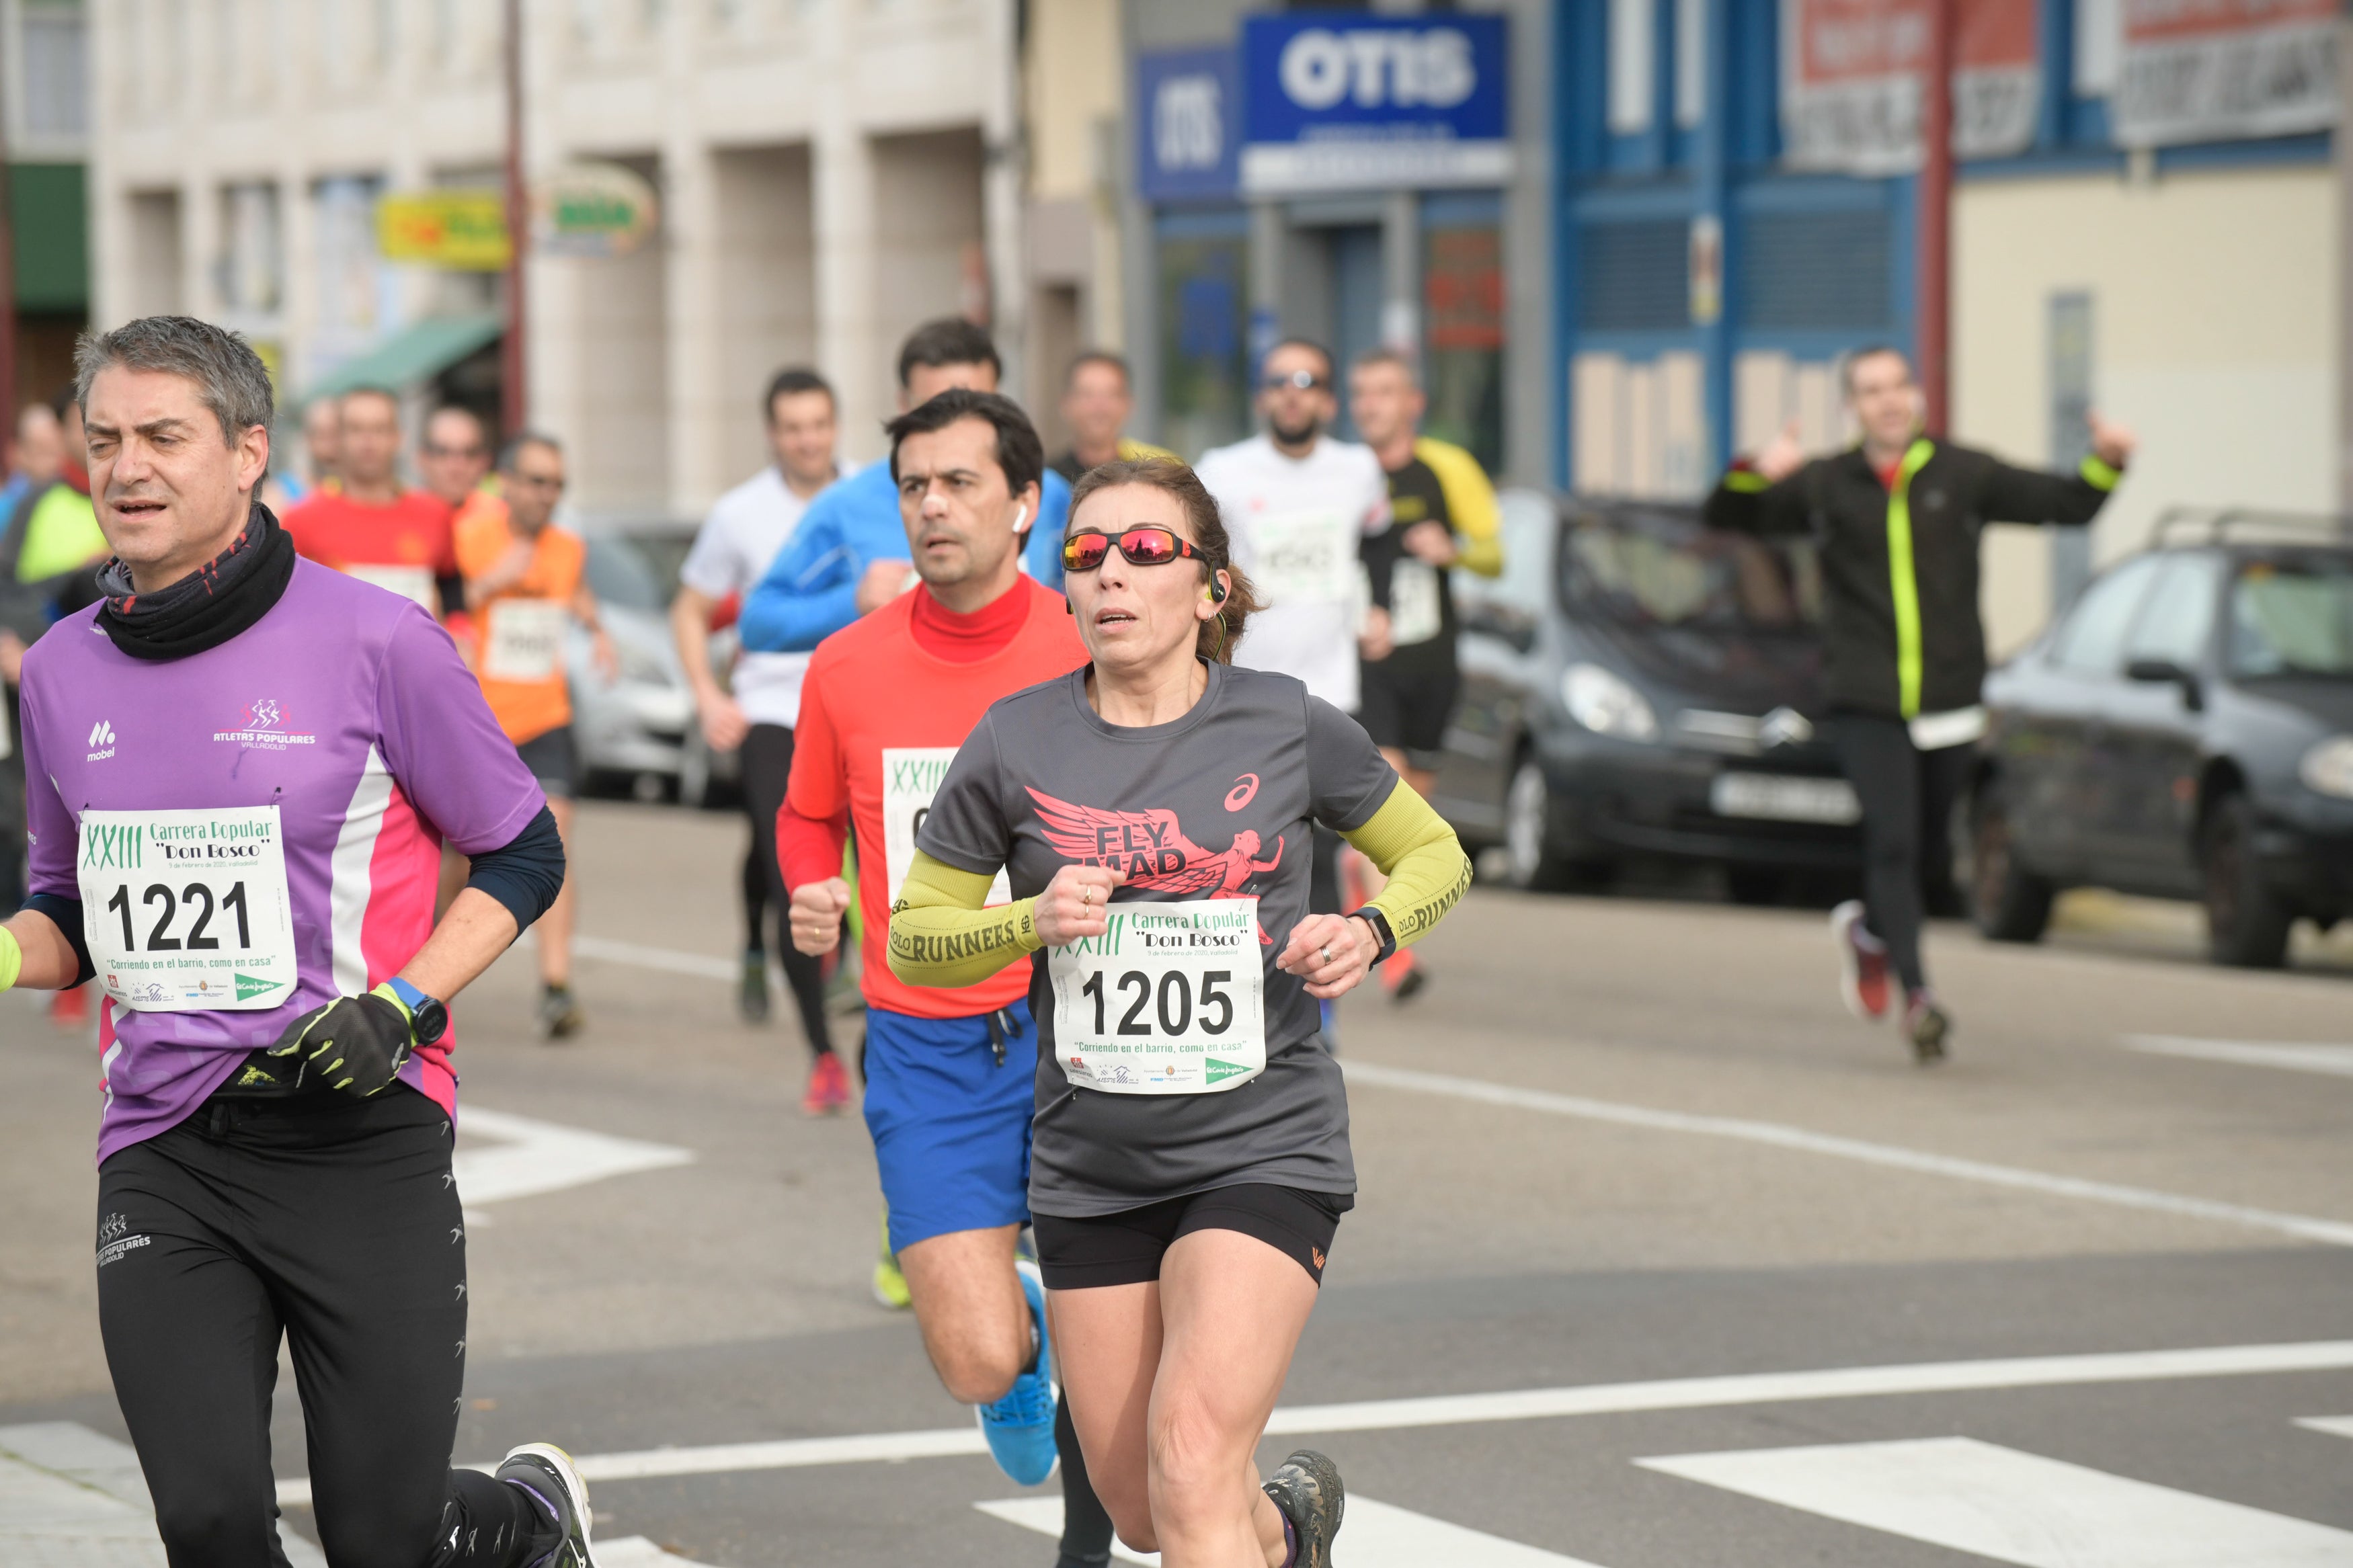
(187, 912)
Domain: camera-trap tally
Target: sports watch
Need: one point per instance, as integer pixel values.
(428, 1019)
(1379, 923)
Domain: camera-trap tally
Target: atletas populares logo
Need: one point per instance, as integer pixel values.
(264, 724)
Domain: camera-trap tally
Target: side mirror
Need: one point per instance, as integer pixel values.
(2165, 671)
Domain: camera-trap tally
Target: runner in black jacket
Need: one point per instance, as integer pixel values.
(1896, 520)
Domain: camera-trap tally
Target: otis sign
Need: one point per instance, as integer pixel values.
(1341, 102)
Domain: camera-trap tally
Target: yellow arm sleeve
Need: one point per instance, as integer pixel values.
(1470, 506)
(940, 935)
(1420, 855)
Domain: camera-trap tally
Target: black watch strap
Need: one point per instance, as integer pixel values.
(1373, 917)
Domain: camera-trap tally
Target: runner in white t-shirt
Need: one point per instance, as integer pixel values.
(1297, 504)
(747, 529)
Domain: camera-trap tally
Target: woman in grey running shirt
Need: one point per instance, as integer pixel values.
(1152, 814)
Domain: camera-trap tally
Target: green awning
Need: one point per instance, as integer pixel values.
(411, 355)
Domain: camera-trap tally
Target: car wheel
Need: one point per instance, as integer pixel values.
(1528, 858)
(2012, 904)
(2246, 922)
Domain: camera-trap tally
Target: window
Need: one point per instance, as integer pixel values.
(2099, 44)
(1203, 341)
(2292, 619)
(2092, 640)
(253, 264)
(1691, 62)
(2177, 621)
(56, 59)
(1633, 71)
(1463, 344)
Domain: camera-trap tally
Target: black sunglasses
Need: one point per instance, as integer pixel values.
(1086, 549)
(1304, 380)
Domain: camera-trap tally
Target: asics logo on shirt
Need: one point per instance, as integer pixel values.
(101, 741)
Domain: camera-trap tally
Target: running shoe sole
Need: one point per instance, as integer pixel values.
(544, 1462)
(1307, 1489)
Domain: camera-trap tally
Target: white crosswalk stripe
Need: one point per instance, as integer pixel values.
(1372, 1535)
(2337, 1426)
(2013, 1506)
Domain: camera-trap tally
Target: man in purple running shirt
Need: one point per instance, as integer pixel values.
(243, 768)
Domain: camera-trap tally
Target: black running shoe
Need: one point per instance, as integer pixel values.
(752, 993)
(546, 1472)
(1927, 1025)
(1306, 1487)
(559, 1015)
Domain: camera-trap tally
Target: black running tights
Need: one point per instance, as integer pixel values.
(1907, 798)
(767, 759)
(334, 1222)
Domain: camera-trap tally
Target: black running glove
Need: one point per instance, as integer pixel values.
(355, 1044)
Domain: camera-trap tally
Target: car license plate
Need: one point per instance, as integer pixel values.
(1782, 798)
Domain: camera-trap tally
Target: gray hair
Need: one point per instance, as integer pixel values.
(234, 381)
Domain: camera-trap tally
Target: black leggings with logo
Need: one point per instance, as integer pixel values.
(1907, 797)
(334, 1222)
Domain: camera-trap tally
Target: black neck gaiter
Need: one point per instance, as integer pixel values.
(208, 606)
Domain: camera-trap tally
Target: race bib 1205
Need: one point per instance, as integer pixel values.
(911, 777)
(187, 911)
(1166, 1000)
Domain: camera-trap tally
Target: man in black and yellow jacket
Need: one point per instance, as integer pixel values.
(1896, 522)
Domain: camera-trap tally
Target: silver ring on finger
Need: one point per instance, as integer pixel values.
(1326, 953)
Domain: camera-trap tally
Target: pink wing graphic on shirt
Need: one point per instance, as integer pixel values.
(1151, 847)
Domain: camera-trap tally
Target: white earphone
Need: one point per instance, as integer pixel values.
(1020, 515)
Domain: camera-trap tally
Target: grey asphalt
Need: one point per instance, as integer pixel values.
(1497, 1245)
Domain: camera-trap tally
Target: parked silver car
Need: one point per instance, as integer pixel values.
(638, 730)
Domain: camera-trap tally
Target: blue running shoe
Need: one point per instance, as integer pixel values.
(1021, 1427)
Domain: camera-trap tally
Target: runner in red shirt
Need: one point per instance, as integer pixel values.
(949, 1073)
(370, 527)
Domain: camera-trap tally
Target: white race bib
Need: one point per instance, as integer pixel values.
(1304, 556)
(1414, 612)
(187, 911)
(526, 639)
(911, 777)
(411, 583)
(1168, 1001)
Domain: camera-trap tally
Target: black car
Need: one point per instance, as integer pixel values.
(1637, 684)
(2186, 731)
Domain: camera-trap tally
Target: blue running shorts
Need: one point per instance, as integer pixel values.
(950, 1120)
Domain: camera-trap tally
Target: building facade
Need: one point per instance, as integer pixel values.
(828, 173)
(2145, 218)
(1360, 178)
(44, 97)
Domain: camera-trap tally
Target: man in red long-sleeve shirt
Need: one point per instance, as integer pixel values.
(949, 1074)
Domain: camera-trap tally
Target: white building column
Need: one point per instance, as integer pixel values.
(1004, 175)
(854, 359)
(697, 316)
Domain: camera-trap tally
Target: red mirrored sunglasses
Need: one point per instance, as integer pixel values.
(1085, 550)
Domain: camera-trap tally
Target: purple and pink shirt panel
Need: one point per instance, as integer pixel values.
(345, 707)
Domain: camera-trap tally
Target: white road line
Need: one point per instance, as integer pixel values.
(1372, 1535)
(1777, 1135)
(532, 1156)
(2335, 1425)
(1968, 1495)
(2336, 1061)
(637, 1551)
(1526, 1405)
(702, 967)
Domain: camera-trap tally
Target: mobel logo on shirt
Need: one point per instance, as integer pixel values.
(101, 741)
(265, 727)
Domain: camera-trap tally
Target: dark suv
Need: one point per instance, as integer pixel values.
(2185, 731)
(1639, 685)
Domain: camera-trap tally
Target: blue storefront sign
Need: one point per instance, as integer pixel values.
(1189, 127)
(1338, 102)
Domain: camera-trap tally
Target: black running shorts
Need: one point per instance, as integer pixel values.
(1405, 704)
(1126, 1248)
(554, 759)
